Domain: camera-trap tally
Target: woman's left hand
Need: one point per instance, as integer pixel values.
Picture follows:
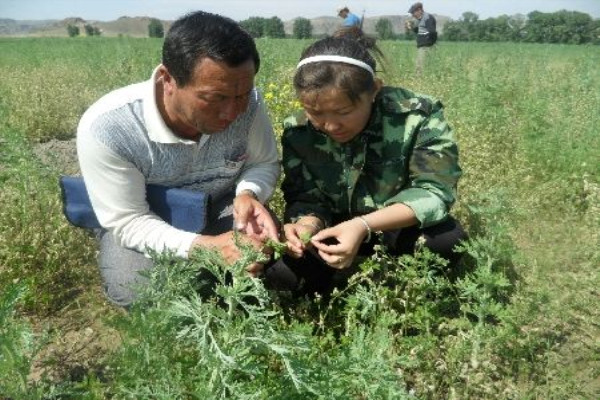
(339, 244)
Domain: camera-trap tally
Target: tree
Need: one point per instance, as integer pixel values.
(155, 28)
(72, 30)
(302, 28)
(470, 17)
(455, 31)
(563, 26)
(559, 27)
(254, 26)
(89, 29)
(273, 28)
(384, 29)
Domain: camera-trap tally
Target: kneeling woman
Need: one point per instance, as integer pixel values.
(361, 158)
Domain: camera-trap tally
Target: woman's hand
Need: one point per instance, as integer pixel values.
(338, 245)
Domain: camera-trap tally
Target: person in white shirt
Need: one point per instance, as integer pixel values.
(198, 123)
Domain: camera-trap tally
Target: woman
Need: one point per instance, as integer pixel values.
(361, 158)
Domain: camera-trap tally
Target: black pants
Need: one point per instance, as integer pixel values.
(310, 274)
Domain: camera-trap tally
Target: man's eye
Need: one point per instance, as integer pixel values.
(212, 98)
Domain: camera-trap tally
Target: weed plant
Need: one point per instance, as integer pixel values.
(517, 322)
(18, 347)
(37, 245)
(203, 329)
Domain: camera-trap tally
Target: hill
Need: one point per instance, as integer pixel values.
(138, 26)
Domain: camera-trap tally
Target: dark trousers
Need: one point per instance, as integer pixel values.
(310, 274)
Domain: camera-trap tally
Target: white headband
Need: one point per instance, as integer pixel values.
(341, 59)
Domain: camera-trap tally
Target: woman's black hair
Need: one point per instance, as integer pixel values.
(353, 80)
(201, 35)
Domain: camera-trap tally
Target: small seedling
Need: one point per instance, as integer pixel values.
(279, 248)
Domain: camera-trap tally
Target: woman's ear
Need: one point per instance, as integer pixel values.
(378, 86)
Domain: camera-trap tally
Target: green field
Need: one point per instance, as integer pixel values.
(522, 323)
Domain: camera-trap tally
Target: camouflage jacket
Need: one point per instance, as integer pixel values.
(406, 154)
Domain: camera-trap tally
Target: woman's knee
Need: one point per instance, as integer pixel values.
(444, 237)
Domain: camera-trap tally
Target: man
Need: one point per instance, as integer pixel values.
(198, 123)
(425, 28)
(350, 20)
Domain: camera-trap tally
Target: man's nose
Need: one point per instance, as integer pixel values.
(232, 108)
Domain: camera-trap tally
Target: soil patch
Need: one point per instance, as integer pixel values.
(59, 154)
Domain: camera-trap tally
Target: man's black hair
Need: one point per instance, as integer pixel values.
(201, 35)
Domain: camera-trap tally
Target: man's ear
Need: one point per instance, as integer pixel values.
(168, 80)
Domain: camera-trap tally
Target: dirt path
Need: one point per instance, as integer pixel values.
(79, 337)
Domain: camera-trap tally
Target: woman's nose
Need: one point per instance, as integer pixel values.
(331, 126)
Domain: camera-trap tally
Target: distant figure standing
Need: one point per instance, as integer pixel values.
(349, 18)
(424, 27)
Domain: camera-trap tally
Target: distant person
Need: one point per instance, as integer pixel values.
(361, 158)
(198, 123)
(425, 28)
(349, 18)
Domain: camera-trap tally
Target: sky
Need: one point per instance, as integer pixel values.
(108, 10)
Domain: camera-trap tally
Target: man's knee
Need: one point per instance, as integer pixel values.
(120, 294)
(120, 269)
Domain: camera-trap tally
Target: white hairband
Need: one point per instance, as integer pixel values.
(341, 59)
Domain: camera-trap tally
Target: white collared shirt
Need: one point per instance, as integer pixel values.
(123, 144)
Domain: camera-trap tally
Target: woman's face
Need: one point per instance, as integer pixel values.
(332, 112)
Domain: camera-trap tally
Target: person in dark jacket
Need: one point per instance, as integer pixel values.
(424, 25)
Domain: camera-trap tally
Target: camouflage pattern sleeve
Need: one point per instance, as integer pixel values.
(433, 169)
(301, 194)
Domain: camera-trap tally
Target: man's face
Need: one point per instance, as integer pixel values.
(215, 96)
(343, 13)
(418, 14)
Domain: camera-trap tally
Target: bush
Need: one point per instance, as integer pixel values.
(155, 28)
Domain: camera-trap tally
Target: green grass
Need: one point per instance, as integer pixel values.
(522, 325)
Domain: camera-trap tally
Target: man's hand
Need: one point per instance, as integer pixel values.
(252, 218)
(225, 244)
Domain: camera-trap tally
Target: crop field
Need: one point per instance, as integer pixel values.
(520, 321)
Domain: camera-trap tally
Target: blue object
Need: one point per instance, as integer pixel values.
(181, 208)
(352, 20)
